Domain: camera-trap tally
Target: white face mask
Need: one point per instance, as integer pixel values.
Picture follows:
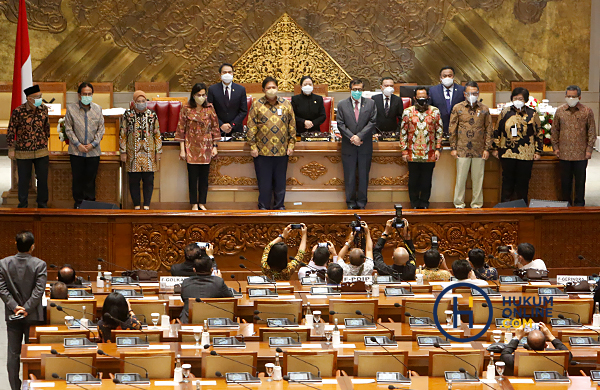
(518, 104)
(271, 93)
(388, 91)
(472, 99)
(447, 81)
(199, 100)
(227, 78)
(307, 89)
(572, 101)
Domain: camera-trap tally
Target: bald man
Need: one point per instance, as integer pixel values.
(536, 340)
(59, 290)
(360, 262)
(68, 276)
(403, 260)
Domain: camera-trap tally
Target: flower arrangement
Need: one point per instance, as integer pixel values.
(533, 103)
(62, 133)
(546, 120)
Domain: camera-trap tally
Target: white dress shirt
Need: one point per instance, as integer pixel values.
(228, 91)
(536, 264)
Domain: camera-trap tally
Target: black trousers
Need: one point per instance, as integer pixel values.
(271, 174)
(41, 174)
(356, 178)
(420, 175)
(134, 187)
(570, 170)
(84, 171)
(16, 332)
(198, 182)
(515, 179)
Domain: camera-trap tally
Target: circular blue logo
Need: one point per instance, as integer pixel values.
(450, 288)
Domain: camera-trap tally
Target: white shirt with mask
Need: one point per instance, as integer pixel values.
(451, 90)
(536, 264)
(228, 89)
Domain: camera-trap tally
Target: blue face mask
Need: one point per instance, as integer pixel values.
(86, 100)
(356, 95)
(37, 102)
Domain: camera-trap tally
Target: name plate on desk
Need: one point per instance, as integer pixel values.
(352, 278)
(549, 376)
(595, 375)
(167, 282)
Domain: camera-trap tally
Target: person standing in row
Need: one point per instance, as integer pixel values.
(229, 101)
(420, 144)
(573, 137)
(470, 140)
(517, 143)
(446, 95)
(272, 137)
(198, 135)
(308, 108)
(140, 145)
(389, 107)
(84, 126)
(27, 140)
(356, 118)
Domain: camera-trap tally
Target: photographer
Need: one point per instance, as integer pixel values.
(361, 262)
(274, 261)
(436, 268)
(191, 252)
(524, 257)
(403, 258)
(322, 253)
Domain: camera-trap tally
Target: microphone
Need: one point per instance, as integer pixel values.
(374, 339)
(118, 382)
(281, 326)
(583, 326)
(238, 283)
(377, 323)
(215, 306)
(270, 281)
(413, 308)
(256, 312)
(219, 375)
(102, 353)
(108, 316)
(484, 304)
(56, 376)
(60, 308)
(55, 352)
(568, 312)
(53, 266)
(437, 345)
(303, 361)
(287, 379)
(528, 347)
(214, 353)
(251, 262)
(130, 272)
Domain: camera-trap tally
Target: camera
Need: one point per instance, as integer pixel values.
(398, 222)
(323, 245)
(202, 245)
(503, 249)
(356, 223)
(434, 243)
(296, 226)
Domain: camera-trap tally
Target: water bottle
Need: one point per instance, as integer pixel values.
(178, 373)
(99, 281)
(375, 286)
(309, 318)
(335, 335)
(491, 368)
(596, 317)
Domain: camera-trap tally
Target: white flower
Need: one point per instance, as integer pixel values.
(542, 118)
(61, 120)
(548, 135)
(547, 126)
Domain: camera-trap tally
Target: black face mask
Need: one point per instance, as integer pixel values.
(422, 102)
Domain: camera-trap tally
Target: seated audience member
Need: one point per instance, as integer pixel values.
(59, 290)
(274, 261)
(202, 285)
(360, 262)
(191, 253)
(116, 315)
(435, 267)
(480, 267)
(524, 257)
(320, 258)
(404, 265)
(536, 340)
(335, 274)
(463, 272)
(67, 275)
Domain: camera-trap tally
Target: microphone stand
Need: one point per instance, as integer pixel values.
(56, 376)
(257, 318)
(269, 280)
(374, 339)
(102, 353)
(303, 361)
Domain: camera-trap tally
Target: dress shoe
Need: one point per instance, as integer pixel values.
(195, 207)
(202, 207)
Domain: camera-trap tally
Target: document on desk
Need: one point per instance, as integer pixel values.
(41, 384)
(159, 346)
(43, 328)
(539, 283)
(39, 347)
(423, 296)
(520, 380)
(362, 381)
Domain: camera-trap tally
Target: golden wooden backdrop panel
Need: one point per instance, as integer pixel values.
(185, 41)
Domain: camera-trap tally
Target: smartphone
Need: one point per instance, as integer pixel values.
(15, 317)
(503, 249)
(434, 243)
(323, 245)
(202, 245)
(296, 226)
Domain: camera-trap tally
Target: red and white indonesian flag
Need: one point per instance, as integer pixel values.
(22, 77)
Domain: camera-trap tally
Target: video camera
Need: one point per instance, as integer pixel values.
(356, 224)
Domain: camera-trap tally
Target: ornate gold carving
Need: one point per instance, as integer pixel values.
(388, 160)
(335, 182)
(314, 170)
(529, 11)
(287, 52)
(334, 159)
(216, 178)
(389, 181)
(292, 181)
(44, 15)
(293, 159)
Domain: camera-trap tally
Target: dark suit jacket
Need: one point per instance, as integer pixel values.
(406, 272)
(438, 99)
(201, 286)
(237, 109)
(183, 269)
(348, 126)
(508, 356)
(22, 283)
(391, 121)
(311, 108)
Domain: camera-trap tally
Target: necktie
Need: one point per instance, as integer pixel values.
(227, 96)
(448, 101)
(356, 111)
(387, 106)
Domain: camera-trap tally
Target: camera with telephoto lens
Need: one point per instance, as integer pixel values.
(356, 224)
(398, 222)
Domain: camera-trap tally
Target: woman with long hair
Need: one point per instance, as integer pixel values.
(116, 315)
(274, 261)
